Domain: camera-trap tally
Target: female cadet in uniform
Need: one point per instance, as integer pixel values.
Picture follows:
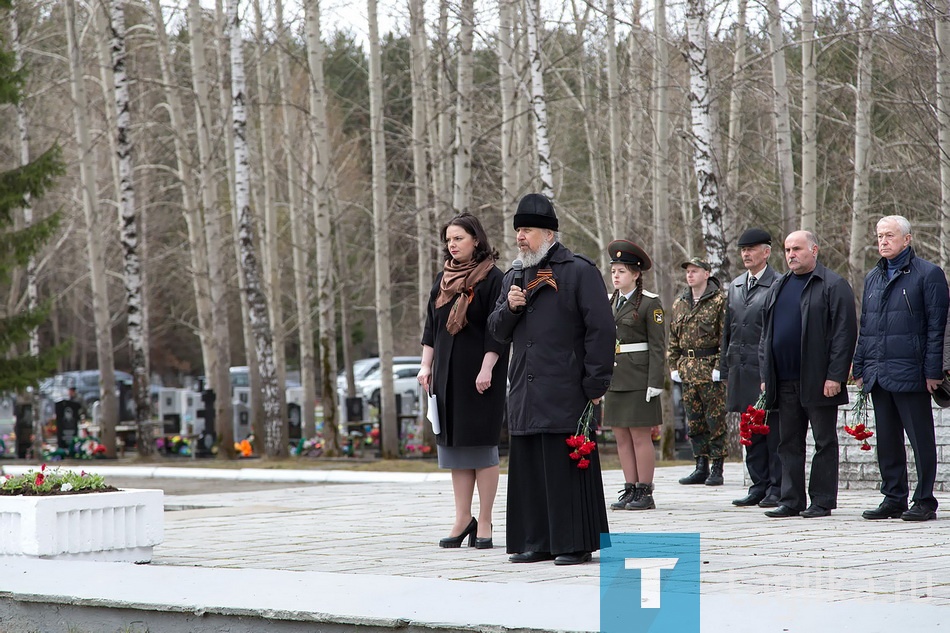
(632, 404)
(466, 368)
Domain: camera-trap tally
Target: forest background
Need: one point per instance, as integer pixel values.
(282, 191)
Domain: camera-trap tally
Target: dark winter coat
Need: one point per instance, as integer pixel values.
(468, 418)
(829, 334)
(562, 345)
(903, 320)
(739, 362)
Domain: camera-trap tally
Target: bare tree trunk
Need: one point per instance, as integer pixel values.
(275, 444)
(209, 235)
(863, 147)
(661, 194)
(129, 232)
(637, 105)
(301, 233)
(613, 116)
(443, 171)
(420, 173)
(730, 215)
(707, 184)
(942, 27)
(538, 102)
(97, 266)
(506, 80)
(32, 292)
(326, 303)
(384, 328)
(809, 205)
(462, 188)
(783, 128)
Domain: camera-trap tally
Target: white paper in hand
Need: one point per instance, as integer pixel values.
(432, 414)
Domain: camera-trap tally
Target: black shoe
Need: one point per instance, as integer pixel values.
(918, 512)
(715, 473)
(572, 559)
(530, 557)
(769, 502)
(814, 511)
(884, 511)
(643, 498)
(626, 496)
(483, 543)
(748, 500)
(456, 541)
(699, 475)
(782, 512)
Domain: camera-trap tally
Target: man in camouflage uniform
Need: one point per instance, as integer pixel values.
(695, 334)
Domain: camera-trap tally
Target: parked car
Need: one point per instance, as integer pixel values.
(86, 384)
(363, 367)
(404, 382)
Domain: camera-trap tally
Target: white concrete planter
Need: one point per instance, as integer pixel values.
(118, 526)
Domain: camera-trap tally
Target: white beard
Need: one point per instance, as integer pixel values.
(533, 258)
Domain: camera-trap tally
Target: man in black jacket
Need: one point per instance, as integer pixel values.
(739, 362)
(899, 362)
(562, 334)
(805, 355)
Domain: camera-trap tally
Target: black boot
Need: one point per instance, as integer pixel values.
(643, 499)
(626, 496)
(699, 475)
(715, 473)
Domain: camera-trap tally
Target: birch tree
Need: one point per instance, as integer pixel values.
(205, 236)
(538, 102)
(506, 80)
(730, 219)
(300, 229)
(443, 168)
(275, 444)
(809, 204)
(109, 406)
(863, 146)
(613, 117)
(384, 329)
(942, 32)
(462, 187)
(707, 184)
(420, 173)
(781, 117)
(129, 233)
(321, 189)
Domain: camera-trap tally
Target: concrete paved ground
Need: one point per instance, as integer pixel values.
(367, 551)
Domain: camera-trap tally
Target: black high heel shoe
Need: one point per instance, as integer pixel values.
(456, 541)
(483, 543)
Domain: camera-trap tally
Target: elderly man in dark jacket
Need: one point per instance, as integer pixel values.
(739, 362)
(899, 361)
(808, 340)
(562, 333)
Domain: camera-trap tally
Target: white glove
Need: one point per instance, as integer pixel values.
(715, 375)
(675, 376)
(653, 392)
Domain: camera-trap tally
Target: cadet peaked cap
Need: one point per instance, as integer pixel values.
(754, 237)
(626, 252)
(697, 261)
(536, 211)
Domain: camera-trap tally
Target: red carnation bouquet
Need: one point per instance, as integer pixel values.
(753, 421)
(860, 417)
(580, 441)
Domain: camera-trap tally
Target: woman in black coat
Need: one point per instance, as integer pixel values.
(466, 370)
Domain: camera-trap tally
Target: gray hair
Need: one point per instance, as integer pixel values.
(902, 223)
(811, 238)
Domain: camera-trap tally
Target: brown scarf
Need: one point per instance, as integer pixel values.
(460, 280)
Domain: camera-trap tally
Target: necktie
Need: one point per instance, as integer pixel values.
(622, 300)
(752, 282)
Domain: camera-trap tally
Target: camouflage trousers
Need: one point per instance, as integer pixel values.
(705, 406)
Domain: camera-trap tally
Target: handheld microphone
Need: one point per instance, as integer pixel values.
(518, 278)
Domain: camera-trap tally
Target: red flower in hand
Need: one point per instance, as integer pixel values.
(580, 441)
(575, 455)
(583, 464)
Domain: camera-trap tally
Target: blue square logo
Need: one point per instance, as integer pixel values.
(649, 583)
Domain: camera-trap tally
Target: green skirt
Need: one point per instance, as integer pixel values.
(628, 409)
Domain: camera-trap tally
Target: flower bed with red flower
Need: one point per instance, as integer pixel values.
(53, 481)
(860, 418)
(580, 441)
(753, 421)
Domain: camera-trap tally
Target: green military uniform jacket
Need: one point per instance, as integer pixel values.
(635, 371)
(696, 331)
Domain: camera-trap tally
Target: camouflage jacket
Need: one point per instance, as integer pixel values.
(697, 328)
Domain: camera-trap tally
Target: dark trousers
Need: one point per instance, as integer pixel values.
(894, 413)
(793, 425)
(761, 459)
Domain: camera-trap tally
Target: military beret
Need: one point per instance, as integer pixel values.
(697, 261)
(753, 237)
(626, 252)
